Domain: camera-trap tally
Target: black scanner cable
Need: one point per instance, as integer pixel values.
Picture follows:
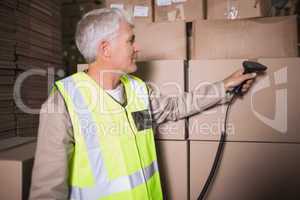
(218, 154)
(249, 67)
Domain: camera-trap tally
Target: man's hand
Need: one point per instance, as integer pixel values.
(238, 78)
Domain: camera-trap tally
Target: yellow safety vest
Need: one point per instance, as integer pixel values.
(114, 154)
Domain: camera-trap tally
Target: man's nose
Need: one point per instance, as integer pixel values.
(136, 47)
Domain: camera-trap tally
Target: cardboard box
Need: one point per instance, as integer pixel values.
(173, 167)
(248, 171)
(269, 112)
(161, 41)
(166, 78)
(237, 9)
(139, 10)
(253, 38)
(187, 10)
(15, 171)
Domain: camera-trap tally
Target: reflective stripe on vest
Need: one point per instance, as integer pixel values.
(103, 186)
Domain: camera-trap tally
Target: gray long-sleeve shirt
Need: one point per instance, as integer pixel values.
(55, 135)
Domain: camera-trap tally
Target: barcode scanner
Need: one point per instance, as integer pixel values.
(249, 67)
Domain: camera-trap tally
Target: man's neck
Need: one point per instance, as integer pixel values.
(108, 79)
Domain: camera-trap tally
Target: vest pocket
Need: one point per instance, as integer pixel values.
(142, 119)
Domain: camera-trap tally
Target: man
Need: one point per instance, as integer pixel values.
(95, 137)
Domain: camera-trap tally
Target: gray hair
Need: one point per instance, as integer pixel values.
(96, 26)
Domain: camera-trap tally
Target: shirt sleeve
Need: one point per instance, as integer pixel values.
(173, 108)
(54, 149)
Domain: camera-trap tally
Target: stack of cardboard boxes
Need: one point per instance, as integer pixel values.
(15, 167)
(30, 56)
(237, 9)
(7, 68)
(140, 10)
(263, 125)
(176, 56)
(38, 54)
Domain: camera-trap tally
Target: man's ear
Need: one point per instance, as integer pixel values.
(104, 49)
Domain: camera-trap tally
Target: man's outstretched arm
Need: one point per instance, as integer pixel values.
(171, 108)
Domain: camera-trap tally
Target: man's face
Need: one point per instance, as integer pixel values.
(124, 49)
